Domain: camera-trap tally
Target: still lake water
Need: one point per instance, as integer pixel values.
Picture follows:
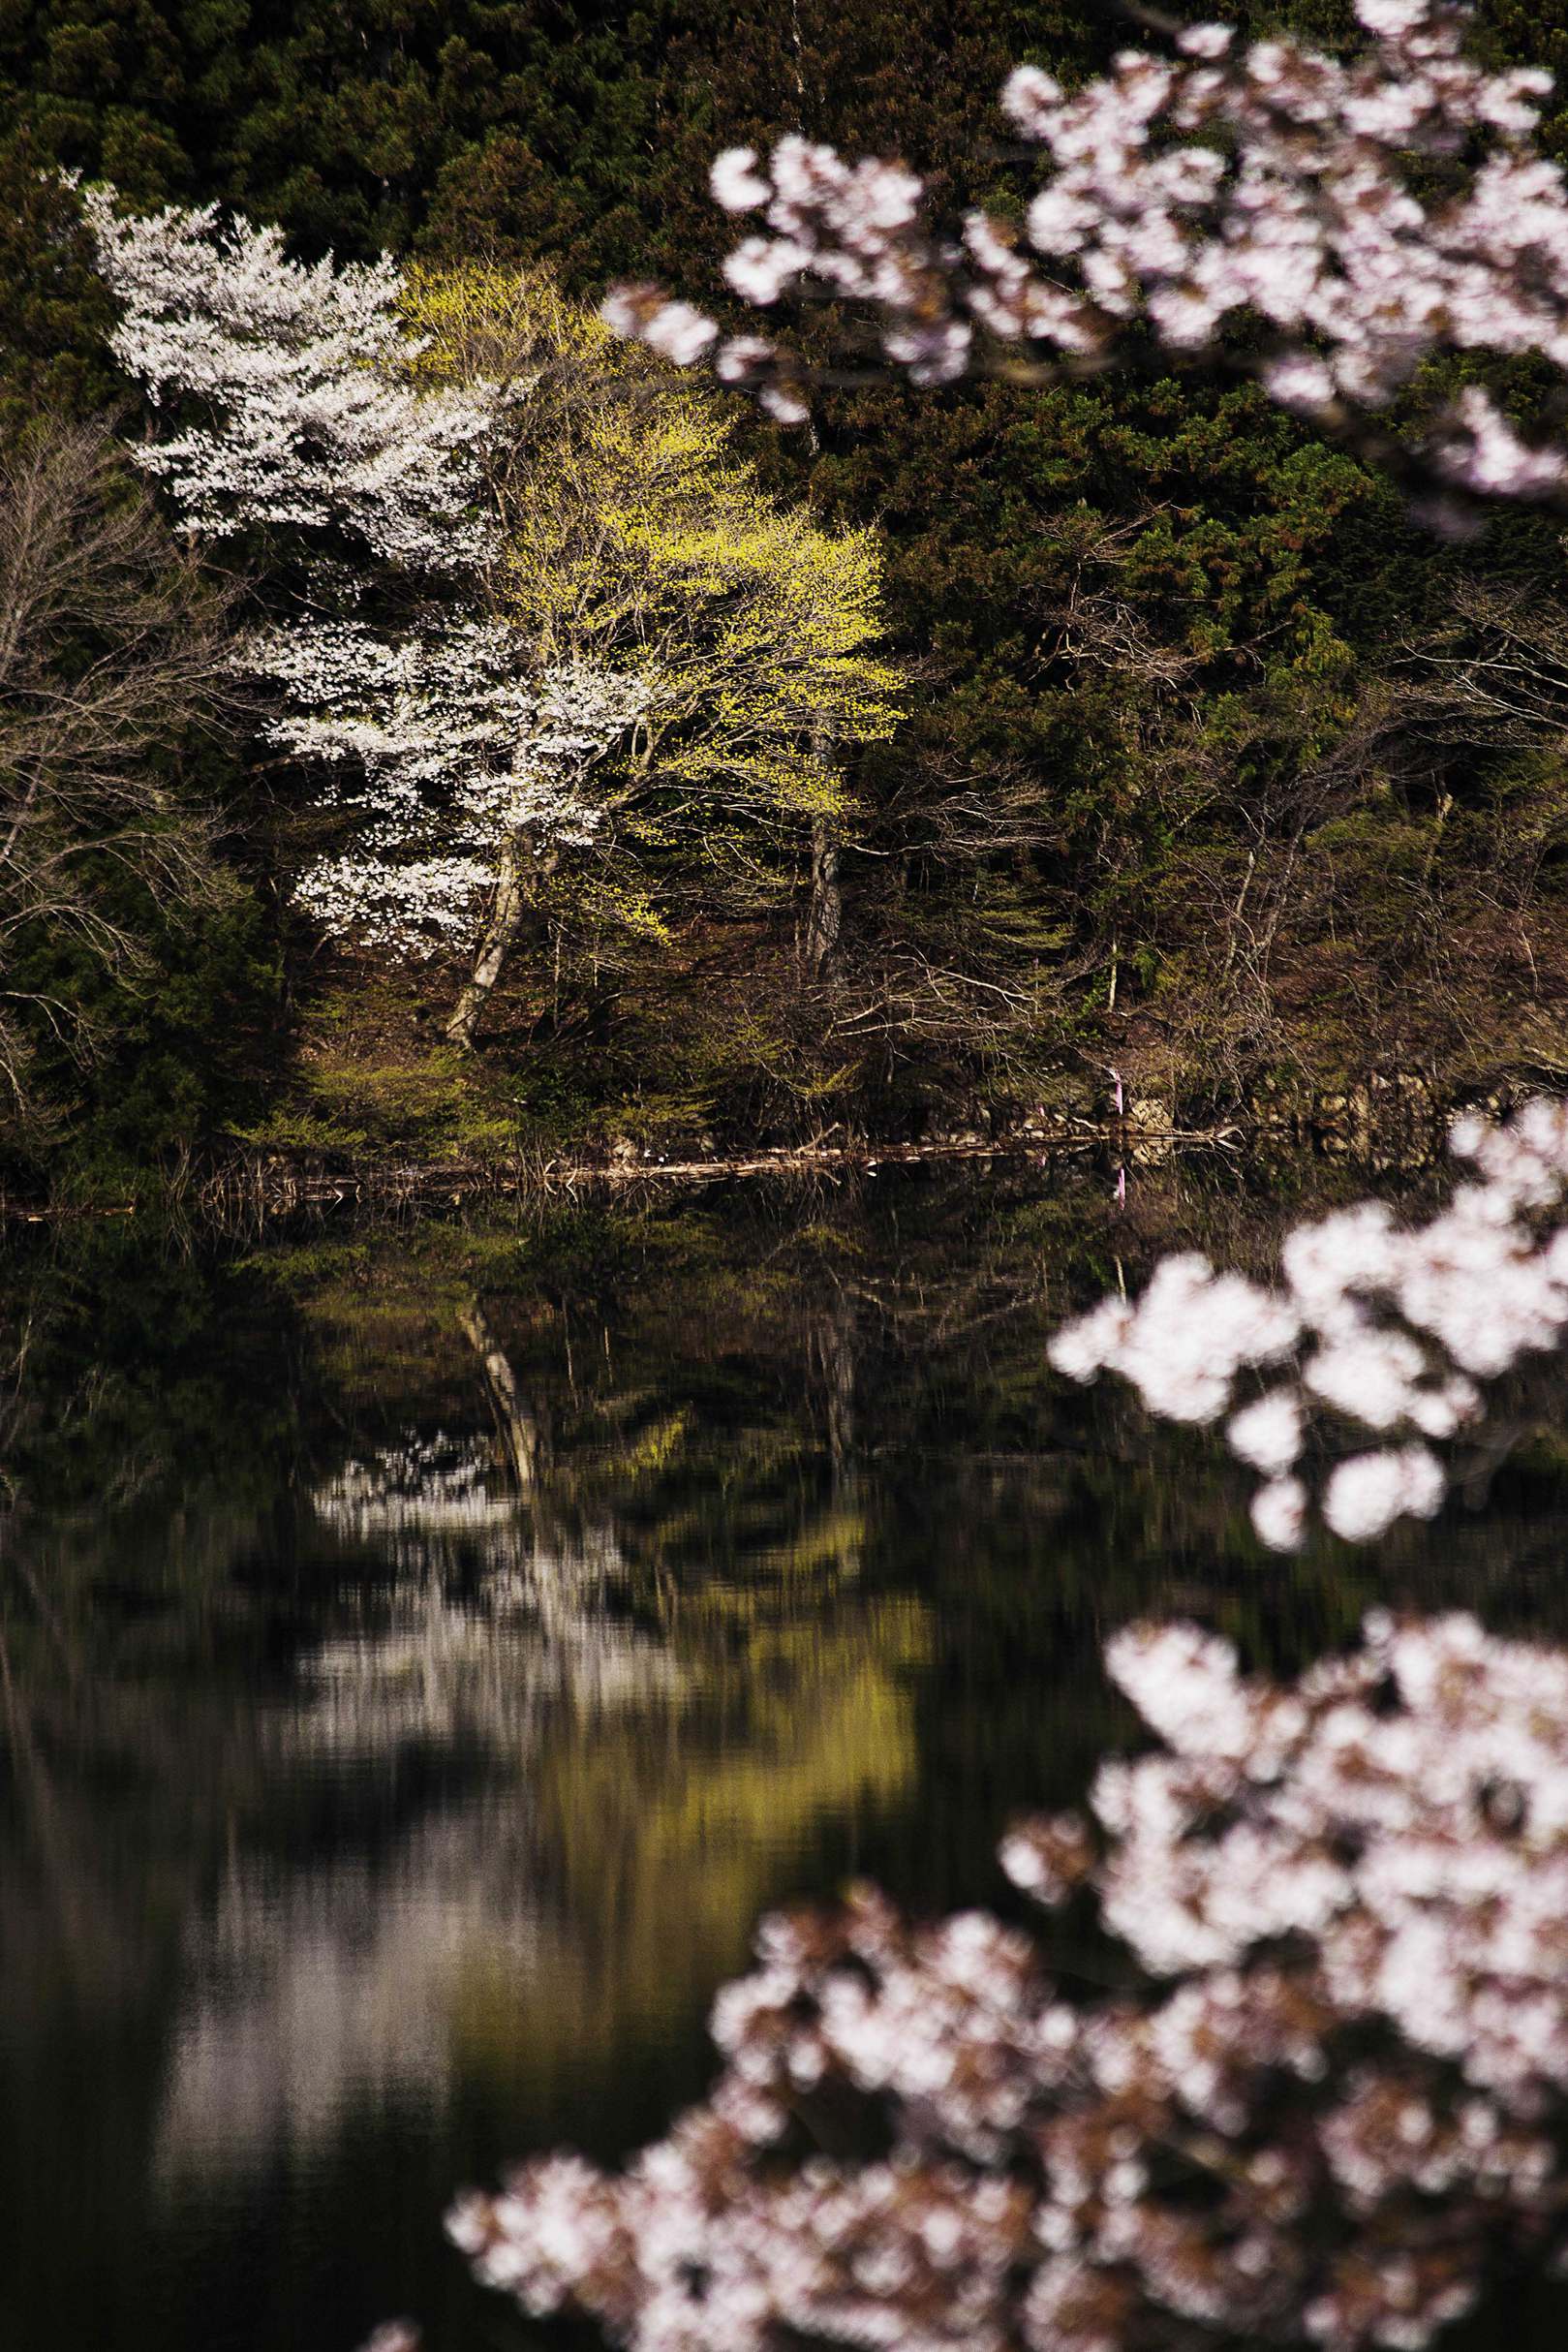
(424, 1652)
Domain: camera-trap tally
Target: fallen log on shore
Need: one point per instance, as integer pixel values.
(243, 1187)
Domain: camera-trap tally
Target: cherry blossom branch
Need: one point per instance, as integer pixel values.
(440, 746)
(1358, 218)
(1375, 1326)
(1336, 2098)
(289, 386)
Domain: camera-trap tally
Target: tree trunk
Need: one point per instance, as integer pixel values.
(519, 1427)
(824, 917)
(838, 1354)
(512, 894)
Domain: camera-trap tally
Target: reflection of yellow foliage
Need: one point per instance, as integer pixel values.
(647, 1835)
(656, 1447)
(668, 1837)
(832, 1539)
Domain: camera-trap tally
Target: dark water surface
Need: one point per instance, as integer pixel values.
(423, 1654)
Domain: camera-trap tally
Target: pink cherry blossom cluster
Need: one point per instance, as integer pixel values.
(1185, 193)
(1333, 2098)
(1374, 1325)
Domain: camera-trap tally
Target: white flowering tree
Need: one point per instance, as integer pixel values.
(296, 410)
(464, 772)
(1327, 225)
(285, 394)
(520, 615)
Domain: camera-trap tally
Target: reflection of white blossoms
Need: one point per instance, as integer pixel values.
(487, 1624)
(421, 1484)
(512, 1793)
(315, 1993)
(481, 1670)
(316, 1990)
(1339, 2092)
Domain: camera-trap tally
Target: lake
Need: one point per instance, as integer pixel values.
(426, 1650)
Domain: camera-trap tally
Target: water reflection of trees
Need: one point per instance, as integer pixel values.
(480, 1619)
(427, 1652)
(450, 1824)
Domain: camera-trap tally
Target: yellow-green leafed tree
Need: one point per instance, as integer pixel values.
(636, 539)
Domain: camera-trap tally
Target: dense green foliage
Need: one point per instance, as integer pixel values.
(1180, 786)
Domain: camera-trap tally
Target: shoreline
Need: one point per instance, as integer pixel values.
(252, 1189)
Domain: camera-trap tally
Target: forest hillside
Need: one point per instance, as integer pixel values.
(995, 738)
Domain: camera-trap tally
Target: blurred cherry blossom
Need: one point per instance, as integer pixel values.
(1331, 2095)
(1374, 1325)
(1366, 213)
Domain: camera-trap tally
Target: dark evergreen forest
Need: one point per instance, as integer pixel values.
(1216, 764)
